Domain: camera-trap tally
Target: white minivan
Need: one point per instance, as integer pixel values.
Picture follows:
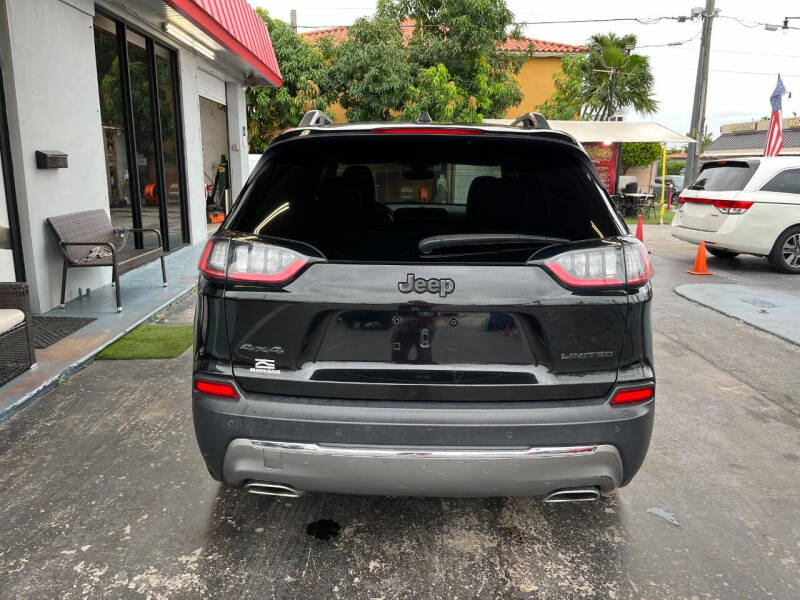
(745, 206)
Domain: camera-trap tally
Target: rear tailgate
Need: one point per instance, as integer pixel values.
(696, 209)
(396, 264)
(718, 184)
(348, 331)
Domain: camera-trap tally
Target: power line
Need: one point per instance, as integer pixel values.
(641, 20)
(772, 74)
(680, 43)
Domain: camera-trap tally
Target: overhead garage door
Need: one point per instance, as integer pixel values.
(210, 87)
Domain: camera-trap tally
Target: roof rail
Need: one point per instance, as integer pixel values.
(531, 120)
(314, 118)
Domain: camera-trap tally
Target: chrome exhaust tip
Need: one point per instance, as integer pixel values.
(581, 494)
(263, 488)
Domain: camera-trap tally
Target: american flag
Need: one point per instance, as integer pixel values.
(774, 133)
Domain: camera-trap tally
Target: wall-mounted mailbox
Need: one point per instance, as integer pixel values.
(51, 159)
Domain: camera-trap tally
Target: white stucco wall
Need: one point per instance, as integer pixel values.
(237, 137)
(50, 79)
(193, 147)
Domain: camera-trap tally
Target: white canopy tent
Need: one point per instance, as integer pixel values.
(612, 131)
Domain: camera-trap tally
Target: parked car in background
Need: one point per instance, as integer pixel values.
(674, 182)
(745, 206)
(424, 309)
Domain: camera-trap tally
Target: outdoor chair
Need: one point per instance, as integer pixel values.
(16, 338)
(88, 239)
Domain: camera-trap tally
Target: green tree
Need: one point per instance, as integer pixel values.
(303, 70)
(583, 86)
(639, 154)
(673, 167)
(369, 70)
(566, 101)
(445, 62)
(439, 95)
(634, 80)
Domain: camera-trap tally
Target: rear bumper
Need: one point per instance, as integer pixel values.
(434, 471)
(442, 449)
(747, 233)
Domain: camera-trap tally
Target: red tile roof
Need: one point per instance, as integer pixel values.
(338, 34)
(512, 45)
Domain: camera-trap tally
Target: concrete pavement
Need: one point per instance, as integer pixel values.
(103, 493)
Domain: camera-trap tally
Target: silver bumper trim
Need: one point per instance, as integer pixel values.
(425, 471)
(454, 453)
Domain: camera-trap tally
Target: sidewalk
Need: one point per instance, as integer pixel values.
(142, 297)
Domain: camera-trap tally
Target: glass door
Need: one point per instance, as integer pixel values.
(165, 71)
(11, 265)
(115, 132)
(141, 122)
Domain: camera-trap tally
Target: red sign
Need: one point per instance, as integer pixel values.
(604, 159)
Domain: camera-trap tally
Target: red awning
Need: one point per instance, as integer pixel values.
(236, 26)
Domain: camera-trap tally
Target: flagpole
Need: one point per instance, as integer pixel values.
(663, 180)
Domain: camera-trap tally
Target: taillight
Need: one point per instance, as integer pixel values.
(632, 395)
(427, 131)
(731, 207)
(602, 267)
(250, 261)
(638, 268)
(264, 263)
(593, 267)
(215, 388)
(726, 207)
(214, 259)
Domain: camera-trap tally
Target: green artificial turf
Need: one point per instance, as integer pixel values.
(651, 220)
(150, 341)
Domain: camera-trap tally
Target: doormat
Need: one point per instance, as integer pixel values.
(48, 330)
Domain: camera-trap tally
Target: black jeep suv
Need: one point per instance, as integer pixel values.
(424, 309)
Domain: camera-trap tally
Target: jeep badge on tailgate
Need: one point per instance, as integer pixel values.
(434, 286)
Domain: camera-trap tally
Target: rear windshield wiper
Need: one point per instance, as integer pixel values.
(460, 240)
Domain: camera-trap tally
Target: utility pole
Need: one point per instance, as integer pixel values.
(698, 125)
(293, 19)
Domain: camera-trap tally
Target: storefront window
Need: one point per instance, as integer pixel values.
(7, 272)
(144, 173)
(112, 111)
(169, 145)
(146, 169)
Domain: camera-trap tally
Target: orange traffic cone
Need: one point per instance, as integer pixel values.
(700, 267)
(639, 229)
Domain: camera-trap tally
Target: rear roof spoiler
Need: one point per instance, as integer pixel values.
(531, 120)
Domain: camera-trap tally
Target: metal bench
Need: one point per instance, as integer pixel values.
(16, 338)
(80, 233)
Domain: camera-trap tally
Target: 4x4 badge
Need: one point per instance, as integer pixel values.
(443, 287)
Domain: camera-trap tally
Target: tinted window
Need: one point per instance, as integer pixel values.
(725, 176)
(375, 197)
(787, 182)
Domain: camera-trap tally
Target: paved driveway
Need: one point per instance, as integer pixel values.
(103, 494)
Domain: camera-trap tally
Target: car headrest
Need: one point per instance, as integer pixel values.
(494, 203)
(362, 182)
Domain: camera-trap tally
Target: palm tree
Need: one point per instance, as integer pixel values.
(610, 60)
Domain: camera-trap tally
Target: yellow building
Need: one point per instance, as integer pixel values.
(535, 78)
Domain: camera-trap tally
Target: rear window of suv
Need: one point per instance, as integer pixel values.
(374, 197)
(727, 176)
